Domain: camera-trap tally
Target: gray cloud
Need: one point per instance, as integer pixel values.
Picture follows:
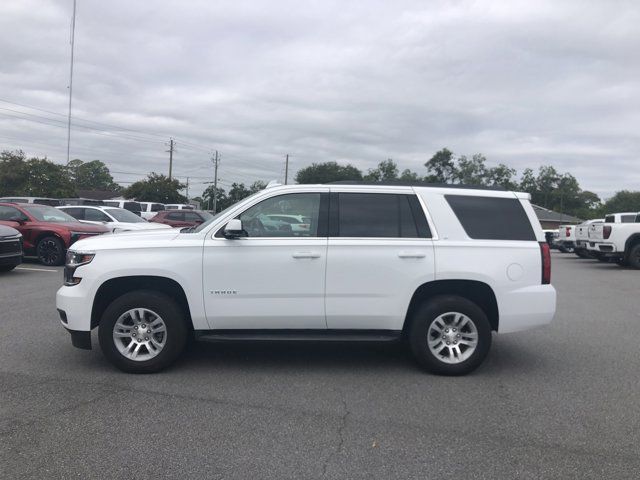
(525, 83)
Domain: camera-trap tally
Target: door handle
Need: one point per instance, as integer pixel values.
(306, 255)
(409, 254)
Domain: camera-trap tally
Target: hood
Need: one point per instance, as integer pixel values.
(8, 232)
(130, 227)
(77, 226)
(123, 240)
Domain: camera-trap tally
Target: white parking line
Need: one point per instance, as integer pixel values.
(36, 269)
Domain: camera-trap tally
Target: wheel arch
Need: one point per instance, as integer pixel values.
(478, 292)
(631, 242)
(115, 287)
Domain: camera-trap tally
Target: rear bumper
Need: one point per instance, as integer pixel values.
(526, 308)
(604, 248)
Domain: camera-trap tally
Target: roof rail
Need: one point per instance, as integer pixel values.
(415, 183)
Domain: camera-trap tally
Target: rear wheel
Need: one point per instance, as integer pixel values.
(142, 332)
(634, 257)
(50, 251)
(450, 335)
(7, 268)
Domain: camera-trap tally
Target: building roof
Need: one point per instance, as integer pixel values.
(546, 215)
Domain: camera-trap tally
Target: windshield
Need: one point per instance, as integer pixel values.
(122, 215)
(213, 218)
(48, 214)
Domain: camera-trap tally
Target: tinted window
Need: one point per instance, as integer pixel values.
(11, 214)
(380, 215)
(157, 207)
(47, 201)
(610, 219)
(77, 213)
(259, 221)
(177, 216)
(111, 203)
(192, 217)
(44, 213)
(628, 218)
(95, 215)
(171, 207)
(491, 218)
(122, 215)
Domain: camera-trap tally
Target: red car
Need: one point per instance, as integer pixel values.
(181, 218)
(46, 231)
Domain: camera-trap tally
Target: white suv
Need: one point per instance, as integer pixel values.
(442, 267)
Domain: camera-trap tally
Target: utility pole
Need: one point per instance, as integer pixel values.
(286, 169)
(73, 37)
(215, 182)
(170, 157)
(187, 189)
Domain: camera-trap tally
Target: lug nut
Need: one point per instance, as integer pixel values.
(136, 327)
(446, 330)
(454, 329)
(148, 331)
(458, 336)
(447, 343)
(144, 326)
(146, 339)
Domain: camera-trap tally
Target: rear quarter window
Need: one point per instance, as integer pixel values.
(628, 219)
(492, 218)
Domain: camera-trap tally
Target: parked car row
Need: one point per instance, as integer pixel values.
(614, 238)
(47, 232)
(146, 210)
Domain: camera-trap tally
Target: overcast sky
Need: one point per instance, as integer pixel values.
(524, 82)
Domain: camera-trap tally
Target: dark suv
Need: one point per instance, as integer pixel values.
(10, 248)
(181, 218)
(46, 231)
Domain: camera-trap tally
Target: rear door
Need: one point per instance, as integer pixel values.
(380, 251)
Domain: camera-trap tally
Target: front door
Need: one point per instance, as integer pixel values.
(274, 277)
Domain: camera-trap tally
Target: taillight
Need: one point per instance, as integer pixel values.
(606, 231)
(545, 255)
(567, 232)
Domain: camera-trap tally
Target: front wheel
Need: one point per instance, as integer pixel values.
(50, 251)
(450, 335)
(142, 332)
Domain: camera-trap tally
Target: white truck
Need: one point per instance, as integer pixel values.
(618, 239)
(442, 267)
(582, 237)
(566, 241)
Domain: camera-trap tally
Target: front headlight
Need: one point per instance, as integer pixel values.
(75, 260)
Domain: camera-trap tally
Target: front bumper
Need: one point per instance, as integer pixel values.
(10, 260)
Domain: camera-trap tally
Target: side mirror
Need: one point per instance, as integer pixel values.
(234, 229)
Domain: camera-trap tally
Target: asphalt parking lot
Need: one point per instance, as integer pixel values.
(558, 402)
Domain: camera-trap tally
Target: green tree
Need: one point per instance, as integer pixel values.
(441, 167)
(327, 172)
(471, 171)
(409, 176)
(13, 174)
(156, 188)
(386, 171)
(93, 175)
(622, 201)
(502, 176)
(47, 179)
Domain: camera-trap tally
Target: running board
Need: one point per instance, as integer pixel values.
(298, 335)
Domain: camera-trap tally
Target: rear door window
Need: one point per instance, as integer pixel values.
(379, 215)
(94, 215)
(77, 213)
(610, 219)
(492, 218)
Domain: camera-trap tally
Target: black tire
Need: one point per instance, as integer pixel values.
(172, 316)
(7, 268)
(50, 251)
(581, 253)
(633, 259)
(419, 334)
